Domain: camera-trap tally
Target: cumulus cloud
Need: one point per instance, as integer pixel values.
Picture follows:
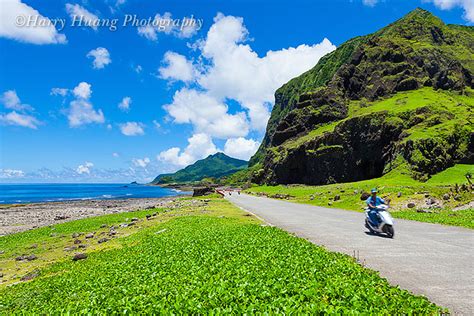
(81, 111)
(230, 70)
(18, 119)
(132, 129)
(199, 146)
(124, 105)
(85, 168)
(207, 114)
(101, 57)
(83, 90)
(467, 5)
(143, 163)
(11, 101)
(164, 24)
(20, 116)
(115, 155)
(241, 148)
(176, 67)
(12, 9)
(81, 15)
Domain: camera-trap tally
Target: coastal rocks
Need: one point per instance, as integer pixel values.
(399, 194)
(134, 219)
(337, 197)
(90, 235)
(411, 205)
(26, 258)
(77, 241)
(103, 226)
(79, 256)
(30, 276)
(60, 217)
(71, 248)
(75, 235)
(202, 191)
(446, 197)
(102, 240)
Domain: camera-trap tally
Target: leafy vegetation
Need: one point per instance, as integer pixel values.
(214, 166)
(199, 258)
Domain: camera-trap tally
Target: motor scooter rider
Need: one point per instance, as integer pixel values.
(373, 202)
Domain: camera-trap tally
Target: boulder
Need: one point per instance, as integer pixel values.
(411, 205)
(446, 197)
(90, 235)
(364, 196)
(202, 191)
(79, 256)
(102, 240)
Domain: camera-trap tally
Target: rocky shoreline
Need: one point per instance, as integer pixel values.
(18, 218)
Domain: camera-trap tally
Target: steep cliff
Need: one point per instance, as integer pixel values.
(401, 97)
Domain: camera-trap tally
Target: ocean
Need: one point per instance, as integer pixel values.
(28, 193)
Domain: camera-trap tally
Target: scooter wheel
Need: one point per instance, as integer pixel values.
(388, 229)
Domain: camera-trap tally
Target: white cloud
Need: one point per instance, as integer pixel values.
(101, 57)
(199, 146)
(19, 116)
(467, 5)
(24, 120)
(177, 67)
(370, 3)
(115, 155)
(132, 129)
(59, 91)
(124, 105)
(83, 90)
(229, 69)
(81, 110)
(9, 27)
(80, 16)
(238, 73)
(11, 101)
(206, 114)
(166, 25)
(143, 163)
(11, 173)
(241, 148)
(156, 124)
(85, 168)
(138, 69)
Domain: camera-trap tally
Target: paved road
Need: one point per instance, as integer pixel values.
(427, 259)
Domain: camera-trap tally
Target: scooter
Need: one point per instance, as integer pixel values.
(385, 221)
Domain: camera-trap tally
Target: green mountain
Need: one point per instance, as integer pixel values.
(401, 98)
(214, 166)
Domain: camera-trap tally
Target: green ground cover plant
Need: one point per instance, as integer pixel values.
(208, 258)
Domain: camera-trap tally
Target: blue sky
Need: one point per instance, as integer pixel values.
(83, 103)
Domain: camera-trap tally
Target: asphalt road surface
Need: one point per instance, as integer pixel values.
(427, 259)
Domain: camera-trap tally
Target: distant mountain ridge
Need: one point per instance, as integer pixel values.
(214, 166)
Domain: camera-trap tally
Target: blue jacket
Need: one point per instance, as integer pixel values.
(378, 201)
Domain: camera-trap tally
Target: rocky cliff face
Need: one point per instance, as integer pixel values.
(378, 101)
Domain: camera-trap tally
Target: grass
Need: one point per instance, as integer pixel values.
(205, 258)
(438, 101)
(395, 183)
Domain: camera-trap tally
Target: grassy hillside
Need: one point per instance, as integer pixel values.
(196, 257)
(214, 166)
(402, 95)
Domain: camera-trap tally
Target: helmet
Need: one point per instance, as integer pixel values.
(374, 190)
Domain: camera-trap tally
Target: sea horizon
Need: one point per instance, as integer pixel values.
(19, 193)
